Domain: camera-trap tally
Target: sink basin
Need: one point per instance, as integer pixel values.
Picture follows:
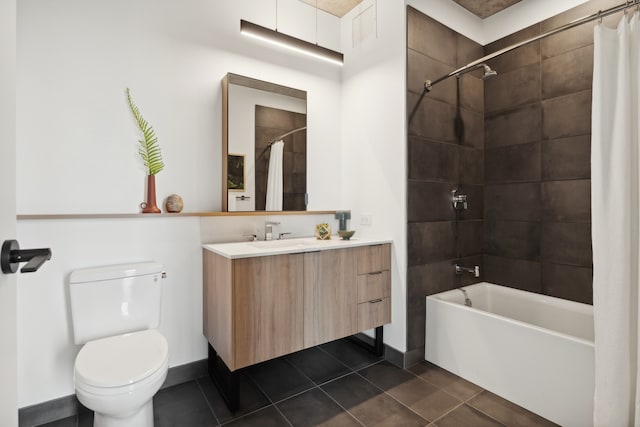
(293, 243)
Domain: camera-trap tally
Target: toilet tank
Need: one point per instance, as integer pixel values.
(115, 299)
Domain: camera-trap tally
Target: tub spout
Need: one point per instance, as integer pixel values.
(475, 270)
(467, 301)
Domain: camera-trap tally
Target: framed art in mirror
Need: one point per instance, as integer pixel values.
(236, 172)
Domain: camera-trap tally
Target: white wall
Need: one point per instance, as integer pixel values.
(374, 149)
(74, 128)
(8, 292)
(77, 151)
(45, 339)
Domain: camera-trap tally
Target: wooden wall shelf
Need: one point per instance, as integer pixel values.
(26, 217)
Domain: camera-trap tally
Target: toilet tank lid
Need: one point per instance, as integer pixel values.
(118, 271)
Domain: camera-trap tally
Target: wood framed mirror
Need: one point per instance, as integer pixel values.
(256, 114)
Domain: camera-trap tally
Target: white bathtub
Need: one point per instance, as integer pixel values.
(531, 349)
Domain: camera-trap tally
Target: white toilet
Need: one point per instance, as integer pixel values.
(124, 360)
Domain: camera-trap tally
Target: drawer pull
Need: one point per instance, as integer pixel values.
(375, 301)
(375, 273)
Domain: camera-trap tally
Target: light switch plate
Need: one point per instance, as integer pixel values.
(366, 219)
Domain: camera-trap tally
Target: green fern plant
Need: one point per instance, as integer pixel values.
(149, 149)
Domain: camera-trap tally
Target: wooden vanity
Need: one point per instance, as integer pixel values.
(263, 300)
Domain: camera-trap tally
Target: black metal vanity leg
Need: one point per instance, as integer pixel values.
(378, 344)
(225, 380)
(376, 347)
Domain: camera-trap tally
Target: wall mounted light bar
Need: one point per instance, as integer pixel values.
(283, 40)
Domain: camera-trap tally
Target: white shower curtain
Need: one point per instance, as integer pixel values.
(615, 189)
(274, 178)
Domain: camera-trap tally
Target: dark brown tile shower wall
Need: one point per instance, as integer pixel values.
(537, 160)
(270, 123)
(438, 164)
(525, 162)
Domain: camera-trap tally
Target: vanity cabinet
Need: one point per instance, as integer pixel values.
(268, 307)
(374, 286)
(330, 288)
(261, 307)
(253, 307)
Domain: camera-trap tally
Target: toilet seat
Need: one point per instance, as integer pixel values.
(121, 360)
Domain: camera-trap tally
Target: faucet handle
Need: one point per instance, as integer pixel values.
(251, 237)
(282, 236)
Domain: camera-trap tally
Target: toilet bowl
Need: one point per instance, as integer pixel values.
(124, 360)
(117, 377)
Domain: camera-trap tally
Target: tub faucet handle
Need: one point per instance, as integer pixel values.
(461, 269)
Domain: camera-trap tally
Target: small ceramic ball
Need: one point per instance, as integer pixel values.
(173, 204)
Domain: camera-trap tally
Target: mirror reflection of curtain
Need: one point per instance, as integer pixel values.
(274, 178)
(270, 123)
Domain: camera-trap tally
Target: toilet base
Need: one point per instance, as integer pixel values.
(142, 418)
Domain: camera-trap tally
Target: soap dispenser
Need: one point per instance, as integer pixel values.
(342, 217)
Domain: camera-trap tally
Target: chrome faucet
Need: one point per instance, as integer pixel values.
(475, 270)
(268, 229)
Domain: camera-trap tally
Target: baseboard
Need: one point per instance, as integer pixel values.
(393, 356)
(412, 357)
(68, 406)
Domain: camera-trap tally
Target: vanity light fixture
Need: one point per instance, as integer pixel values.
(284, 40)
(289, 42)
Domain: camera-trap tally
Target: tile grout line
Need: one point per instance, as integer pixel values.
(207, 401)
(245, 415)
(462, 402)
(250, 378)
(394, 398)
(448, 412)
(338, 403)
(283, 415)
(273, 403)
(318, 386)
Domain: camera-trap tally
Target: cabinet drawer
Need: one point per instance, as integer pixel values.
(374, 258)
(374, 313)
(373, 286)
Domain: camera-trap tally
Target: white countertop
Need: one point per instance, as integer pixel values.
(287, 246)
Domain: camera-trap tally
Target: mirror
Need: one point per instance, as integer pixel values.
(258, 172)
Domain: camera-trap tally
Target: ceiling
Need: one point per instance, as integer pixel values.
(481, 9)
(485, 8)
(337, 8)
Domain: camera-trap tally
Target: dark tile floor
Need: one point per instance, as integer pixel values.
(335, 384)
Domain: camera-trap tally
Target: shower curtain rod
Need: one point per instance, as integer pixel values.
(278, 138)
(599, 15)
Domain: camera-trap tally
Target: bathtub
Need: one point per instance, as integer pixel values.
(531, 349)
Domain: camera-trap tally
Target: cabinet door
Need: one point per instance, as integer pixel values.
(217, 300)
(268, 304)
(330, 295)
(374, 258)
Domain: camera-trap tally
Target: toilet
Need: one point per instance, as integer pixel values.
(124, 361)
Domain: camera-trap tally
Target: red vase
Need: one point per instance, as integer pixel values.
(150, 205)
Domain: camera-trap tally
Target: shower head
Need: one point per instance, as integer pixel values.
(488, 72)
